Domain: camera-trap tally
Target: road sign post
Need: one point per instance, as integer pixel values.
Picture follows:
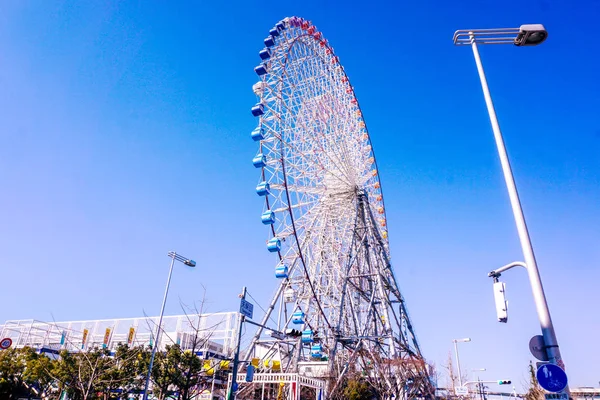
(552, 378)
(5, 343)
(556, 396)
(538, 348)
(246, 309)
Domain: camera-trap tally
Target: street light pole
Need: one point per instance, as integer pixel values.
(455, 341)
(525, 36)
(236, 359)
(190, 263)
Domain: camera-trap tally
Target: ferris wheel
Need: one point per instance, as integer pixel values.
(337, 301)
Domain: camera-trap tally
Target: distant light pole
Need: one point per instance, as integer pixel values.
(526, 35)
(190, 263)
(479, 383)
(456, 341)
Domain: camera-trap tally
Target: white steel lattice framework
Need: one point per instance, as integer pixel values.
(217, 332)
(325, 209)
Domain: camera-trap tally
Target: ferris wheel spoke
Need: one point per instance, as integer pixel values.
(313, 96)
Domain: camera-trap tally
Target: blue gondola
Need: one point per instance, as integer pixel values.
(258, 110)
(265, 54)
(274, 245)
(316, 351)
(281, 272)
(262, 189)
(307, 336)
(274, 32)
(268, 217)
(298, 317)
(261, 69)
(258, 134)
(269, 41)
(280, 25)
(259, 160)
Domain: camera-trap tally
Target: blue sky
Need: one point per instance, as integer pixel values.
(124, 132)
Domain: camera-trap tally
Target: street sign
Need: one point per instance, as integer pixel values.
(556, 396)
(246, 308)
(538, 348)
(552, 378)
(5, 343)
(461, 391)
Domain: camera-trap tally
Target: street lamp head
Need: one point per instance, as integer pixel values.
(531, 35)
(190, 263)
(462, 340)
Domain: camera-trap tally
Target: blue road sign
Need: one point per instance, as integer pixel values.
(552, 377)
(246, 308)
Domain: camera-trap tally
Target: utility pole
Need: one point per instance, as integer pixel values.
(236, 358)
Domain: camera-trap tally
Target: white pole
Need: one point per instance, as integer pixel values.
(457, 362)
(212, 385)
(234, 384)
(534, 276)
(156, 341)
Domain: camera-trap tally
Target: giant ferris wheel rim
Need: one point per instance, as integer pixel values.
(326, 210)
(350, 105)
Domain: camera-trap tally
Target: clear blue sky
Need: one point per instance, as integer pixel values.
(124, 133)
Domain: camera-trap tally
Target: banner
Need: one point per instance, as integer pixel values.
(85, 335)
(106, 337)
(131, 335)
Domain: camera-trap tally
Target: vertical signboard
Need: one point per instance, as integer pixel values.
(246, 308)
(84, 339)
(130, 335)
(106, 337)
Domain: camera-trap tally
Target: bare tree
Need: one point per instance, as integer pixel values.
(451, 383)
(534, 391)
(180, 368)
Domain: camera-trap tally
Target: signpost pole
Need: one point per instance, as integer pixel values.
(236, 359)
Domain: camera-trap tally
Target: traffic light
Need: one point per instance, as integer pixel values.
(500, 300)
(504, 382)
(293, 332)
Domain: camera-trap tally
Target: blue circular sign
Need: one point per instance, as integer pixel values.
(552, 377)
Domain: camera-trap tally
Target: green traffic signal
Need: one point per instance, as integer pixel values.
(504, 382)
